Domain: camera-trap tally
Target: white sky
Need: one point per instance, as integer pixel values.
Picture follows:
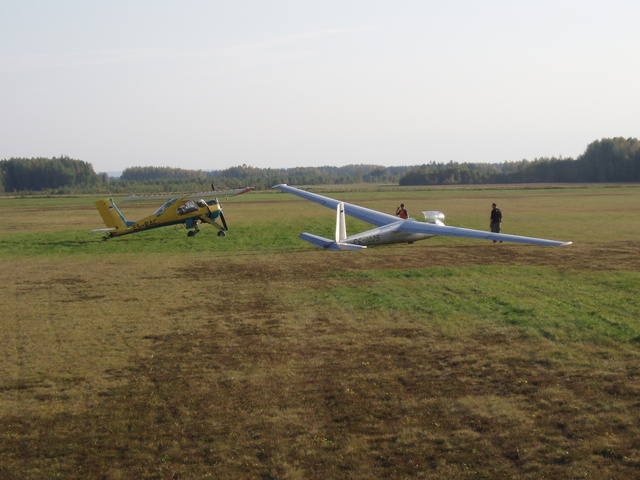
(209, 84)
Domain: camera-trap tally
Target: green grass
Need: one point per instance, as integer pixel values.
(586, 307)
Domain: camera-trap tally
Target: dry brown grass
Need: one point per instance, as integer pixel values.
(131, 376)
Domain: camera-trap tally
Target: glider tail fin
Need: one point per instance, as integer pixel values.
(110, 214)
(341, 224)
(341, 235)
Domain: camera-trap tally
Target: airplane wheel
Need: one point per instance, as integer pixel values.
(222, 234)
(190, 233)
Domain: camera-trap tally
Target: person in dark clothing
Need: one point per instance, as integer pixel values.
(496, 220)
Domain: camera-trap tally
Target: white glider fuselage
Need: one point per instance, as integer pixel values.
(384, 235)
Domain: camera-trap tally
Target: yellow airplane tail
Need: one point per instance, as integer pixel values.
(110, 214)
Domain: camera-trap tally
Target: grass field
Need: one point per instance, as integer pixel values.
(258, 356)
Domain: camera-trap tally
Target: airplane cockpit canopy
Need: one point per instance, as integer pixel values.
(187, 207)
(164, 206)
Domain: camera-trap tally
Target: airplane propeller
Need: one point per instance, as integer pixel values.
(222, 233)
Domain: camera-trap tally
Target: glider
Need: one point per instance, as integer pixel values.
(190, 210)
(391, 229)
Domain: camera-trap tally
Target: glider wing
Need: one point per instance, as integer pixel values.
(411, 226)
(361, 213)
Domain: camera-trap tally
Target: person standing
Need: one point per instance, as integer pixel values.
(496, 220)
(401, 212)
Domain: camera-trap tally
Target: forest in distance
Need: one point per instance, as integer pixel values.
(608, 160)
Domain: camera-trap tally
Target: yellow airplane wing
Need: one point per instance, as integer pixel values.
(182, 196)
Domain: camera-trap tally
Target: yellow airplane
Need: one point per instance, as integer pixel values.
(189, 209)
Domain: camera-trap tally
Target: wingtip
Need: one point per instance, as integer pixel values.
(243, 190)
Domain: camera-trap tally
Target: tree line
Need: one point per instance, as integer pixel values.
(38, 174)
(607, 160)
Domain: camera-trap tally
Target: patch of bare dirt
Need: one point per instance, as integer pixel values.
(309, 265)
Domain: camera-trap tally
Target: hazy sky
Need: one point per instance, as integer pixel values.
(207, 84)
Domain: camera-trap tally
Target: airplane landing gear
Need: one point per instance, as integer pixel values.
(221, 233)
